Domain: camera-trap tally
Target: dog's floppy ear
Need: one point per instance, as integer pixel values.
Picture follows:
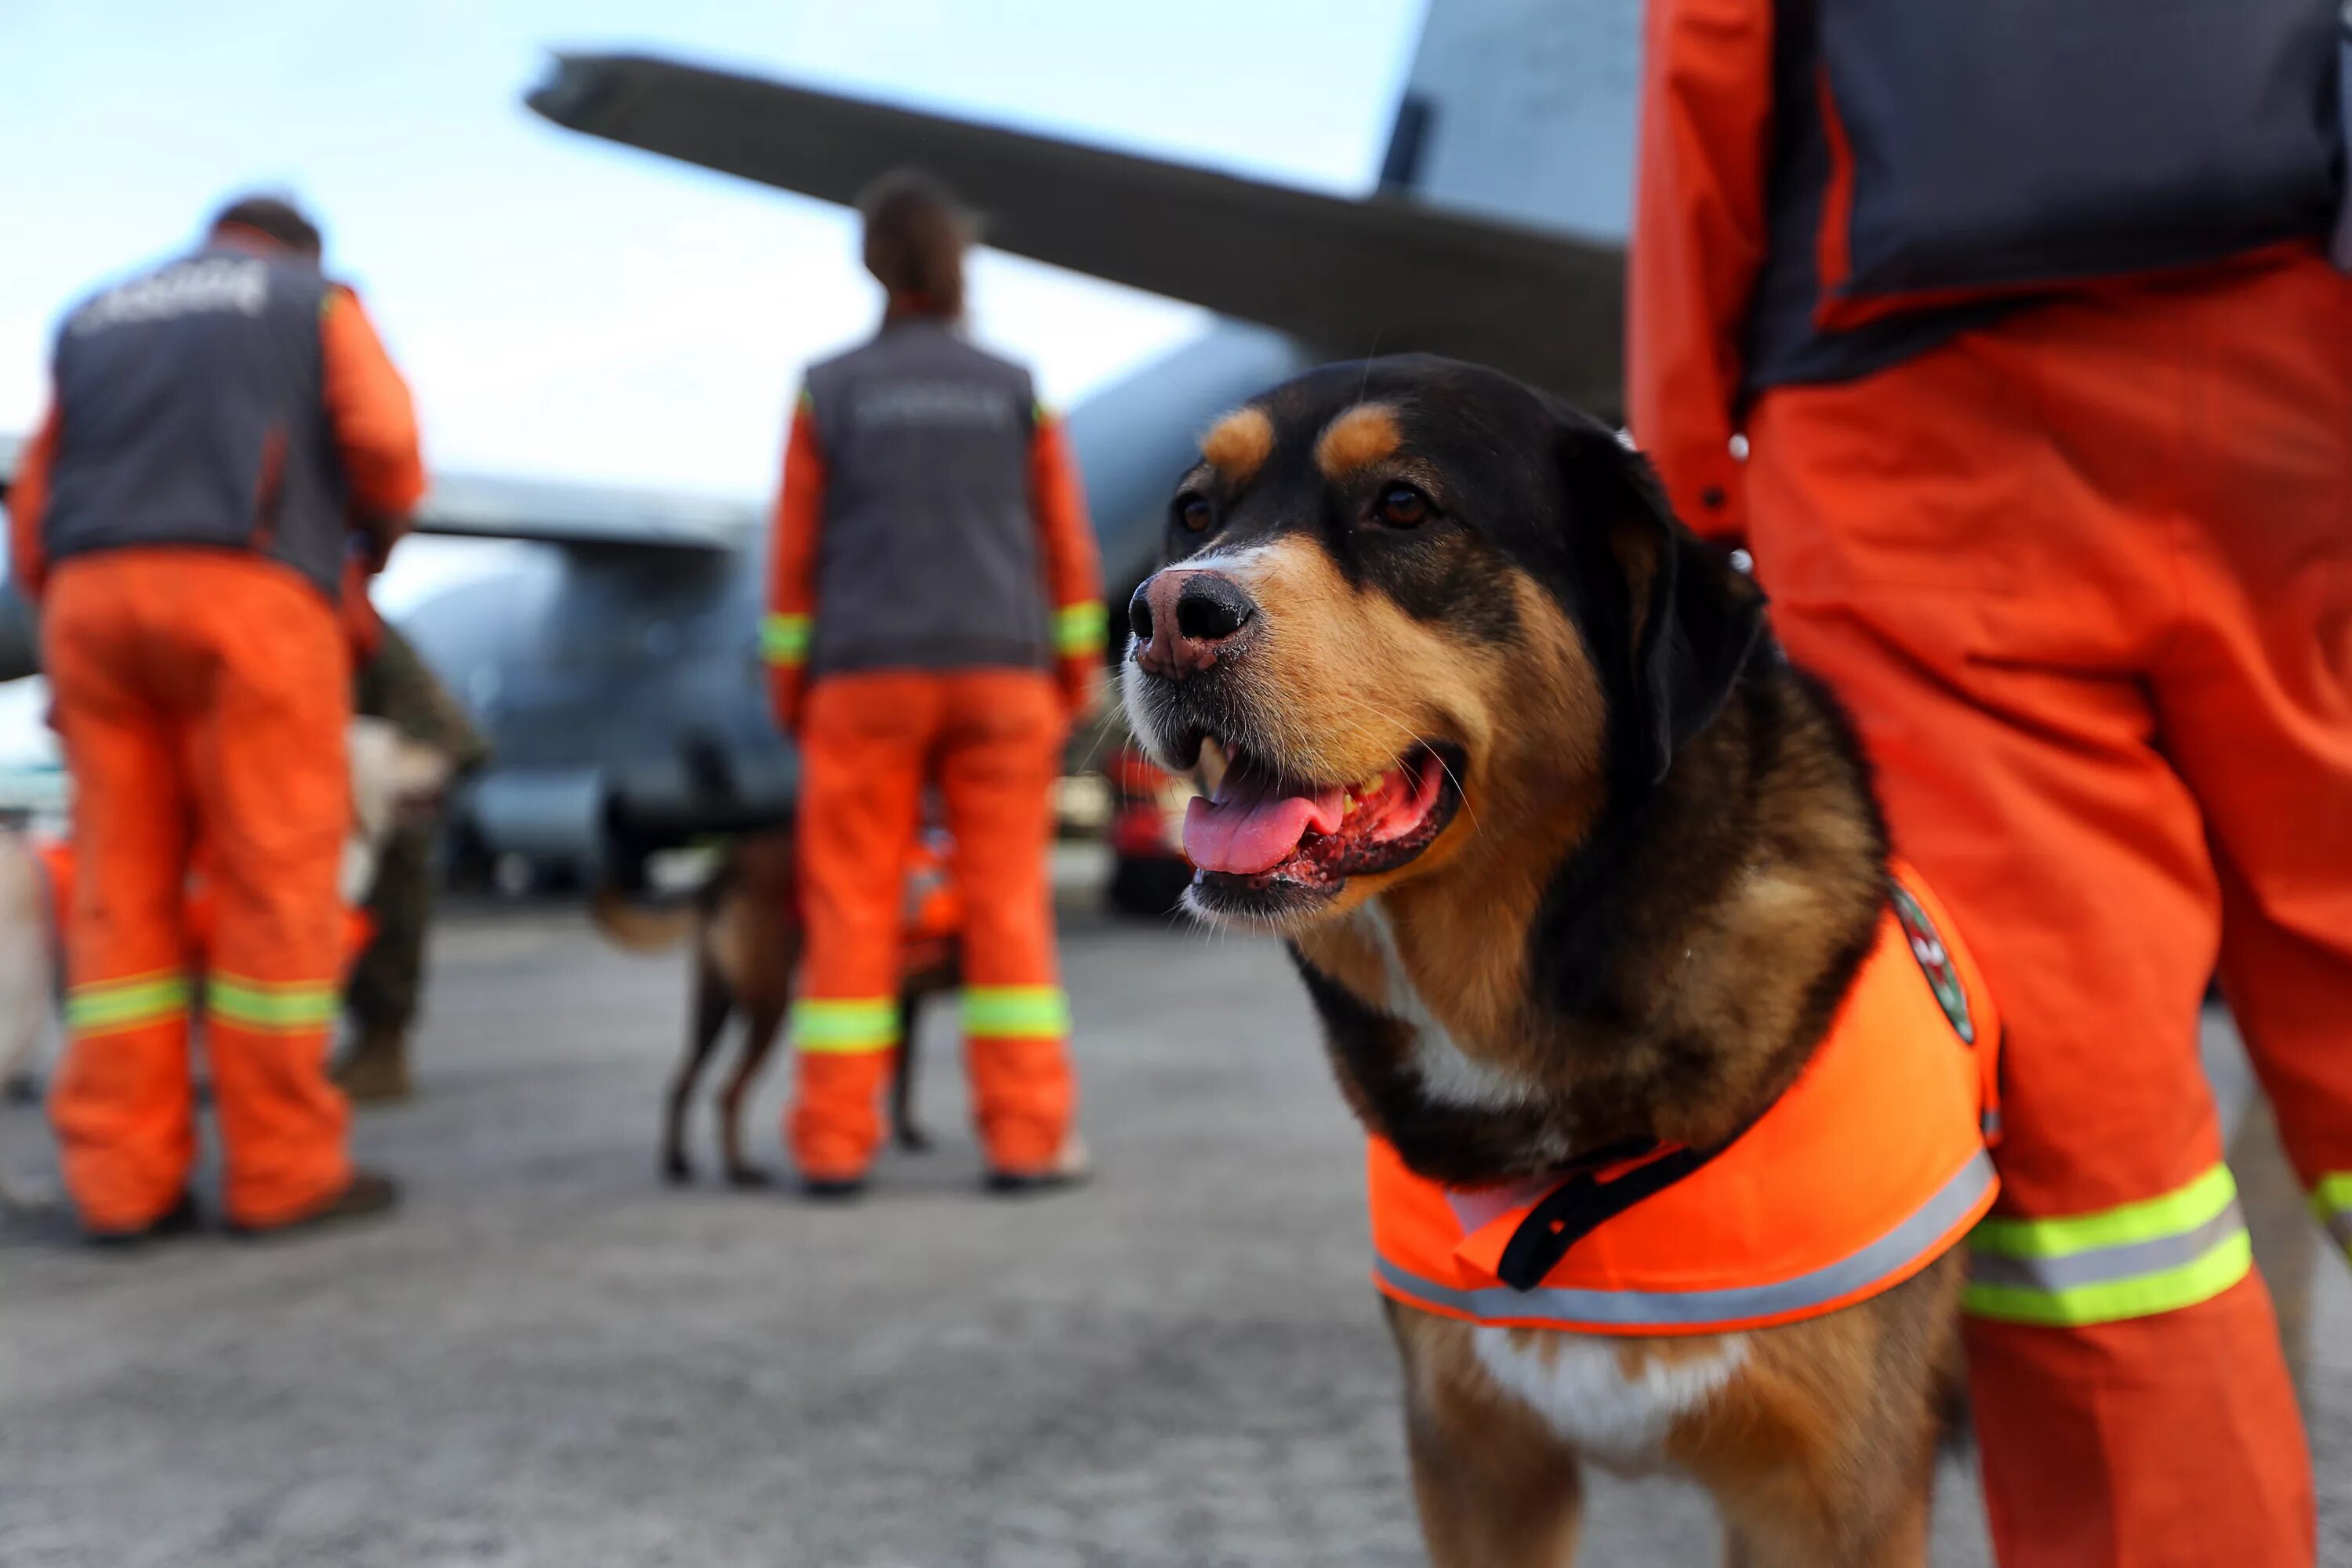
(1689, 618)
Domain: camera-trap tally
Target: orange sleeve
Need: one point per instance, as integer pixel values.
(28, 498)
(791, 620)
(1698, 241)
(1073, 562)
(373, 421)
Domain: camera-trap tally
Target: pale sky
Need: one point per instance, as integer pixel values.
(567, 307)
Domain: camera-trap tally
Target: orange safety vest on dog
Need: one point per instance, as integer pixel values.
(931, 910)
(1868, 1168)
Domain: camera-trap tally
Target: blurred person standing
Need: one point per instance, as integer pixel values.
(936, 617)
(2046, 387)
(386, 987)
(225, 428)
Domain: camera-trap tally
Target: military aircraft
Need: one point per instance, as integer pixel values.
(617, 671)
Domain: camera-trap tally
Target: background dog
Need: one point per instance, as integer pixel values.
(392, 776)
(1570, 859)
(30, 984)
(745, 926)
(27, 969)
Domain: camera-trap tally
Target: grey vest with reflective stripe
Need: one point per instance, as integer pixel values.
(928, 557)
(2003, 148)
(190, 412)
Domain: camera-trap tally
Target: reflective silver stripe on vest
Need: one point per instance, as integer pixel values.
(1890, 1254)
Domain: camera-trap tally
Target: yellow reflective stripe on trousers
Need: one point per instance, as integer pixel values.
(104, 1005)
(2331, 1200)
(2135, 1260)
(845, 1027)
(275, 1007)
(1080, 628)
(1015, 1012)
(784, 639)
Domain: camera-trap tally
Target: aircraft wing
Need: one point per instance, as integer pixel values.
(1342, 276)
(482, 507)
(583, 515)
(580, 517)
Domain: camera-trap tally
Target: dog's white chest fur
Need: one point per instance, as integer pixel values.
(1615, 1408)
(1583, 1389)
(1448, 1074)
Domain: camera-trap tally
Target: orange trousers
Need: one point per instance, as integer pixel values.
(203, 696)
(990, 740)
(2085, 580)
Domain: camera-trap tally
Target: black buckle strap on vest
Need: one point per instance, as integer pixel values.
(1584, 1202)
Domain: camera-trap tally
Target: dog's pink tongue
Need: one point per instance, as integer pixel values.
(1252, 825)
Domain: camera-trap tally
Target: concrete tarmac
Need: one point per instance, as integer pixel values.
(550, 1357)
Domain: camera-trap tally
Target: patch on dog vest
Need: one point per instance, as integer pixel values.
(1936, 963)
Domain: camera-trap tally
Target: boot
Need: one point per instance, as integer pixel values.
(833, 1189)
(1069, 1167)
(367, 1195)
(181, 1218)
(375, 1070)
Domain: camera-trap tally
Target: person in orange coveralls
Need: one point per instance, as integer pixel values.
(2046, 384)
(936, 616)
(225, 430)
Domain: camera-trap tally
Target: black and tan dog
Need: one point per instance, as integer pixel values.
(1569, 859)
(745, 928)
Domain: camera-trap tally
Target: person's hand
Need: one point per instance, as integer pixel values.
(371, 538)
(788, 699)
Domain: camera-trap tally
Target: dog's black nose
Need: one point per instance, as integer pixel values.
(1184, 618)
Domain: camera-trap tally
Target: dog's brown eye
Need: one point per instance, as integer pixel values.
(1402, 506)
(1194, 512)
